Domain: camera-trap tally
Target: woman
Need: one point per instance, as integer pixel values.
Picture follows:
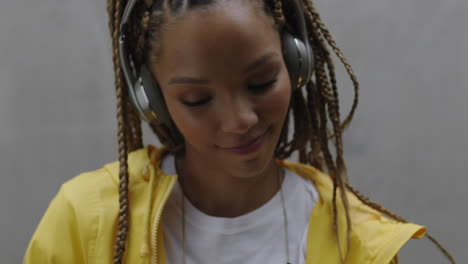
(219, 82)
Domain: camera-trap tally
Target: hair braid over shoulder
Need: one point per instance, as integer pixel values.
(123, 134)
(129, 128)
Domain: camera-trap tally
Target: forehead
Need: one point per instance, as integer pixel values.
(228, 35)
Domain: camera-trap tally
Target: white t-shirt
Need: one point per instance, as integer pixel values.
(256, 237)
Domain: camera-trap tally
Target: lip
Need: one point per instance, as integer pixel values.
(251, 147)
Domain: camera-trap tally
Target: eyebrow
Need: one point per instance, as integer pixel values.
(190, 80)
(262, 60)
(187, 80)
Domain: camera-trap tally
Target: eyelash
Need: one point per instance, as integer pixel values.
(256, 89)
(197, 103)
(262, 87)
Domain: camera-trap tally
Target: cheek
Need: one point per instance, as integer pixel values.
(276, 103)
(193, 129)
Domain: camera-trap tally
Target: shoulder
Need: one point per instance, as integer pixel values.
(374, 237)
(377, 238)
(72, 216)
(84, 213)
(102, 184)
(82, 190)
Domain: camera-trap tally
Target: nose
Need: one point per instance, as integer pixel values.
(238, 116)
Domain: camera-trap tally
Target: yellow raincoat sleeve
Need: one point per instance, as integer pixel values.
(66, 233)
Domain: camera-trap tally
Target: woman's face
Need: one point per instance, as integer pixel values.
(225, 84)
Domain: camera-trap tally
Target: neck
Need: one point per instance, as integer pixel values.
(218, 192)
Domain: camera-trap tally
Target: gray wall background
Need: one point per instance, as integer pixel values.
(407, 147)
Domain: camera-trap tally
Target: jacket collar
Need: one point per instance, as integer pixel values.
(144, 166)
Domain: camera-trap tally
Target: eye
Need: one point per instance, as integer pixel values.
(196, 103)
(263, 87)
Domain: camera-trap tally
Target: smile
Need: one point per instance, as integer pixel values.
(250, 147)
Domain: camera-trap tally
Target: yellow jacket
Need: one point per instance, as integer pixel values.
(81, 222)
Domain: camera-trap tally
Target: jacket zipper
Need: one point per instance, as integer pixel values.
(158, 217)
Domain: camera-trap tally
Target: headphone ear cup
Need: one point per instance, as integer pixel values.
(156, 104)
(298, 60)
(291, 58)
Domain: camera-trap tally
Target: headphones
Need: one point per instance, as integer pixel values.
(146, 95)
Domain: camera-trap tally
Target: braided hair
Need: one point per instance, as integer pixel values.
(314, 113)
